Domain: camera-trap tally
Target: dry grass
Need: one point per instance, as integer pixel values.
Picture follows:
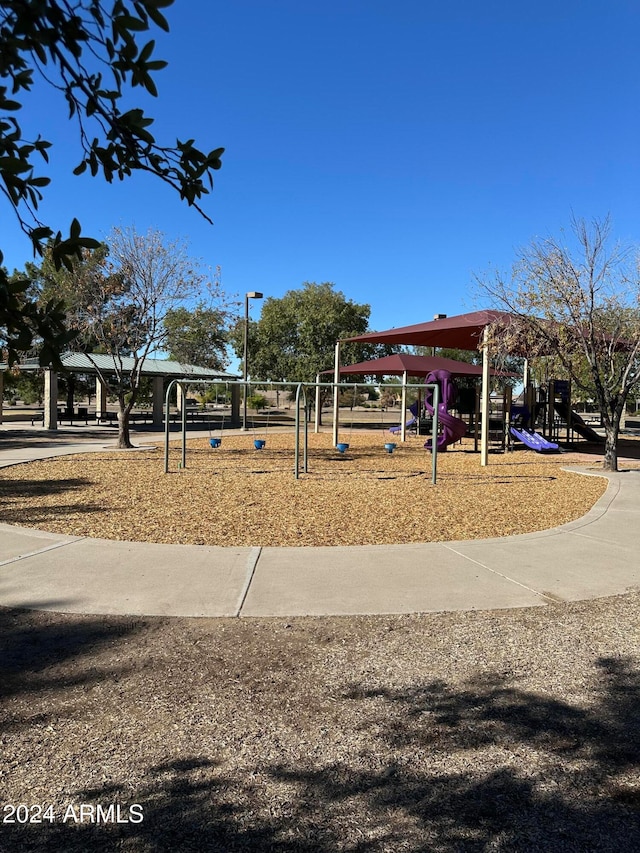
(238, 496)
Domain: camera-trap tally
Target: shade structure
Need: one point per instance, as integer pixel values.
(464, 331)
(412, 365)
(405, 365)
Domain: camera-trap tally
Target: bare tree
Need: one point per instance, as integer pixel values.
(122, 305)
(579, 302)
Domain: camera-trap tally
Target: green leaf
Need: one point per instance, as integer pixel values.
(42, 233)
(158, 19)
(146, 51)
(13, 165)
(128, 22)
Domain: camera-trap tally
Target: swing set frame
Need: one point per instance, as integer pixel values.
(300, 423)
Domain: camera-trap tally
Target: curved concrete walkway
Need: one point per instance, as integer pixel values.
(597, 555)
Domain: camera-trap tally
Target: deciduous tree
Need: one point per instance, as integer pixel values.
(296, 335)
(119, 302)
(577, 298)
(198, 335)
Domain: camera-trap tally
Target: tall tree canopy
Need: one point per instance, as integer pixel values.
(93, 53)
(198, 334)
(296, 335)
(577, 299)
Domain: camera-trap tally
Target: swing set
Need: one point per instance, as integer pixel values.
(260, 443)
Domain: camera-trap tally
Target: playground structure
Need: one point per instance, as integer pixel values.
(541, 425)
(466, 402)
(549, 409)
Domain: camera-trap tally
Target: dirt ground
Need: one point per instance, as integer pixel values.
(513, 731)
(505, 731)
(238, 496)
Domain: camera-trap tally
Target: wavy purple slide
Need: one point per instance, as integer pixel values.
(534, 440)
(453, 429)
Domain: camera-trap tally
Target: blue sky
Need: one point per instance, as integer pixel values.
(393, 149)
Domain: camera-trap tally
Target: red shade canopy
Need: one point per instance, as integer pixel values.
(461, 332)
(412, 365)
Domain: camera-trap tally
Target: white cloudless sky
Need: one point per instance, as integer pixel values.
(393, 149)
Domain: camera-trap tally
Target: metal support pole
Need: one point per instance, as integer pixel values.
(251, 295)
(184, 424)
(403, 408)
(336, 394)
(167, 406)
(318, 398)
(244, 362)
(434, 433)
(484, 432)
(296, 465)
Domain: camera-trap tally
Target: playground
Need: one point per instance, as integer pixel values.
(235, 495)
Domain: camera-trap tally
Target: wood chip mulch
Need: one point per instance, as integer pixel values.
(237, 496)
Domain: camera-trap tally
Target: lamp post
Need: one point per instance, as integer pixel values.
(253, 294)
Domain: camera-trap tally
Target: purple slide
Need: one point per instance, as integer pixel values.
(410, 423)
(534, 440)
(453, 429)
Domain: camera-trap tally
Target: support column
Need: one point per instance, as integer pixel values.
(403, 409)
(50, 399)
(1, 392)
(157, 401)
(486, 391)
(180, 397)
(235, 405)
(101, 398)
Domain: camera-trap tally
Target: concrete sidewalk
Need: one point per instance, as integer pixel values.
(598, 555)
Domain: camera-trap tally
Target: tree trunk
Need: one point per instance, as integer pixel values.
(610, 460)
(124, 440)
(325, 393)
(612, 431)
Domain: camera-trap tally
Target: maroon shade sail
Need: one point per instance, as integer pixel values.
(412, 365)
(463, 331)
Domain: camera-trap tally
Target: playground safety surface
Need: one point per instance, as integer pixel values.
(591, 557)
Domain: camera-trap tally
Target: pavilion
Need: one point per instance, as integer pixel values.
(156, 368)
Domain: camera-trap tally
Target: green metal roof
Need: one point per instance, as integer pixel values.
(79, 362)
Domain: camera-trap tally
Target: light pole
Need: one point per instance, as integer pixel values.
(253, 294)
